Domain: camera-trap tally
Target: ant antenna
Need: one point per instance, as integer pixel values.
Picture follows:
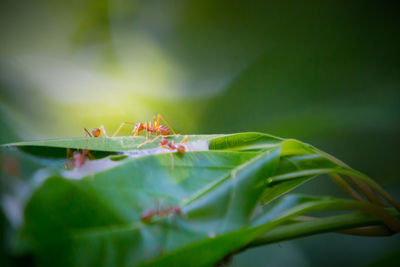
(165, 121)
(87, 132)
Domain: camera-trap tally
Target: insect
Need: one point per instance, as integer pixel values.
(148, 127)
(10, 165)
(148, 215)
(180, 148)
(96, 132)
(77, 159)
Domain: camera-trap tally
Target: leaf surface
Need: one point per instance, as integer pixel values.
(230, 190)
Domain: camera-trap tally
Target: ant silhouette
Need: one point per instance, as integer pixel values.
(96, 132)
(148, 127)
(77, 159)
(165, 144)
(180, 148)
(148, 215)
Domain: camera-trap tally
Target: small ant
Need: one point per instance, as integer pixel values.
(96, 132)
(77, 159)
(171, 146)
(180, 148)
(147, 215)
(10, 165)
(148, 128)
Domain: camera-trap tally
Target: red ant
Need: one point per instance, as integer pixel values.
(77, 159)
(147, 215)
(10, 165)
(96, 132)
(148, 128)
(171, 146)
(180, 148)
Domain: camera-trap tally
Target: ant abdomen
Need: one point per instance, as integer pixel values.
(180, 148)
(163, 130)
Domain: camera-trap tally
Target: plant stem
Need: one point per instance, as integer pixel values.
(377, 188)
(345, 186)
(367, 191)
(347, 172)
(371, 230)
(362, 178)
(311, 227)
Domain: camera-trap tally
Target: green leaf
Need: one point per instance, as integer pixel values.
(230, 190)
(245, 141)
(57, 147)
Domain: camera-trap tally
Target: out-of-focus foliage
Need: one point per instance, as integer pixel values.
(326, 72)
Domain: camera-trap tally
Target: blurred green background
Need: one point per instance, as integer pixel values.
(324, 72)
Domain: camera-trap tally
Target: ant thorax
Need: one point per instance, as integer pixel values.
(139, 127)
(171, 145)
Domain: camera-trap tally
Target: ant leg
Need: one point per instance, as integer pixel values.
(154, 139)
(148, 129)
(87, 133)
(156, 123)
(184, 139)
(90, 155)
(68, 153)
(169, 127)
(190, 144)
(103, 130)
(148, 141)
(67, 164)
(164, 147)
(122, 125)
(172, 160)
(135, 132)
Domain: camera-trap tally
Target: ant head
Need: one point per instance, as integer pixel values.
(177, 210)
(163, 142)
(180, 148)
(146, 216)
(96, 132)
(163, 130)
